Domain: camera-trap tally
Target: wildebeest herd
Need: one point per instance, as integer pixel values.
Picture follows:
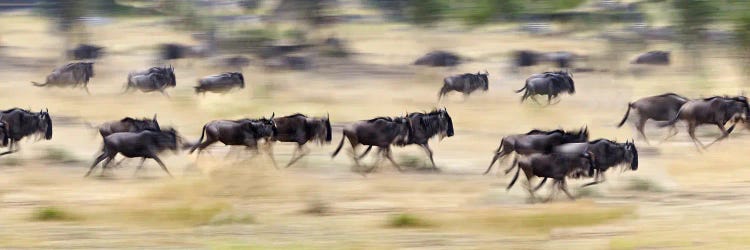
(557, 154)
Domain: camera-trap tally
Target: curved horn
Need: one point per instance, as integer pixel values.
(272, 115)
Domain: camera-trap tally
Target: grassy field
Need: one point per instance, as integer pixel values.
(678, 198)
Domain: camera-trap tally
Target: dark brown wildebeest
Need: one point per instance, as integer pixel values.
(424, 126)
(145, 144)
(128, 124)
(535, 141)
(86, 51)
(301, 129)
(221, 83)
(172, 51)
(70, 75)
(605, 153)
(548, 83)
(438, 58)
(653, 58)
(380, 132)
(555, 166)
(21, 123)
(464, 83)
(152, 79)
(659, 108)
(717, 110)
(244, 132)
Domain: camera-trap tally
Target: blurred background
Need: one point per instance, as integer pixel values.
(355, 60)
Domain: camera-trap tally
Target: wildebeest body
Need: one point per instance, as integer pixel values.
(145, 144)
(71, 74)
(555, 166)
(21, 123)
(128, 124)
(548, 83)
(300, 129)
(438, 59)
(221, 83)
(662, 107)
(715, 110)
(464, 83)
(653, 58)
(86, 51)
(380, 132)
(535, 141)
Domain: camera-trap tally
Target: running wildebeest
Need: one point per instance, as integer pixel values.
(380, 132)
(438, 58)
(605, 153)
(128, 124)
(536, 141)
(152, 79)
(86, 51)
(144, 144)
(424, 126)
(653, 58)
(21, 123)
(526, 58)
(243, 132)
(715, 110)
(555, 166)
(659, 108)
(465, 83)
(70, 75)
(222, 83)
(548, 83)
(172, 51)
(301, 129)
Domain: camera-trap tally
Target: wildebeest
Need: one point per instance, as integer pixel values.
(86, 51)
(717, 110)
(548, 83)
(301, 129)
(171, 51)
(536, 141)
(71, 74)
(380, 132)
(658, 108)
(555, 166)
(653, 58)
(221, 83)
(606, 154)
(144, 144)
(152, 79)
(526, 58)
(438, 58)
(128, 124)
(243, 132)
(464, 83)
(21, 123)
(424, 126)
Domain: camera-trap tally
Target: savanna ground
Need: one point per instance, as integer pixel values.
(678, 198)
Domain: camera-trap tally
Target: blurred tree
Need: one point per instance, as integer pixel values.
(249, 4)
(426, 12)
(484, 11)
(691, 20)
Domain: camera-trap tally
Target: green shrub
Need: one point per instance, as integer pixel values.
(52, 214)
(407, 220)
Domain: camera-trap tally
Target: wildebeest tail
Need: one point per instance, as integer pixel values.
(341, 144)
(198, 143)
(521, 90)
(515, 177)
(670, 122)
(443, 91)
(497, 156)
(39, 84)
(625, 118)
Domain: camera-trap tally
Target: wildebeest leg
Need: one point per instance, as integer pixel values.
(540, 184)
(303, 152)
(724, 134)
(494, 159)
(549, 99)
(86, 87)
(672, 132)
(365, 153)
(269, 151)
(387, 153)
(691, 132)
(564, 187)
(639, 125)
(106, 163)
(12, 148)
(164, 93)
(429, 153)
(161, 164)
(143, 160)
(598, 178)
(555, 189)
(378, 161)
(533, 98)
(98, 159)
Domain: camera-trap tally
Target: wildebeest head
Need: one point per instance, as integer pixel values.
(328, 130)
(167, 139)
(402, 130)
(172, 78)
(264, 127)
(241, 78)
(485, 79)
(5, 133)
(632, 157)
(446, 123)
(45, 124)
